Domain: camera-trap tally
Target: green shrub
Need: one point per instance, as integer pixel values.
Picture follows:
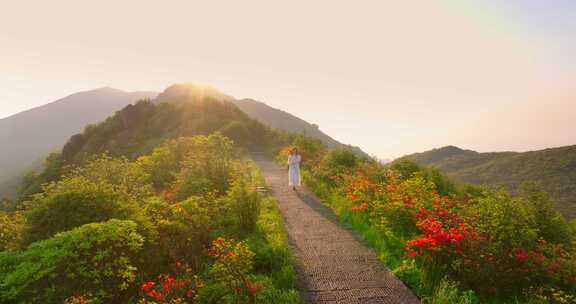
(245, 203)
(550, 223)
(448, 292)
(187, 227)
(76, 201)
(96, 259)
(125, 177)
(11, 225)
(335, 163)
(507, 220)
(207, 167)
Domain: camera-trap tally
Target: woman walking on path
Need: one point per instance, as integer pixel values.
(294, 160)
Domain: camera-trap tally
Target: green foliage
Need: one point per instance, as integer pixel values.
(504, 218)
(408, 169)
(165, 162)
(405, 168)
(441, 238)
(208, 166)
(188, 226)
(448, 292)
(32, 182)
(75, 201)
(335, 163)
(311, 150)
(245, 203)
(10, 230)
(96, 259)
(553, 169)
(549, 295)
(126, 178)
(232, 266)
(7, 205)
(550, 223)
(168, 171)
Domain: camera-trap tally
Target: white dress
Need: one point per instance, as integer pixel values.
(294, 170)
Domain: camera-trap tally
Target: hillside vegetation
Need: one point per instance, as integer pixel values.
(448, 242)
(157, 204)
(31, 135)
(35, 133)
(554, 170)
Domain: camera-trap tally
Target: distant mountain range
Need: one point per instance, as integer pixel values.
(553, 169)
(31, 135)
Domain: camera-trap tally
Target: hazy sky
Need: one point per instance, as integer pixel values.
(392, 77)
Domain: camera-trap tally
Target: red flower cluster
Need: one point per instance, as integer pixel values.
(182, 288)
(521, 255)
(442, 230)
(220, 248)
(360, 207)
(436, 235)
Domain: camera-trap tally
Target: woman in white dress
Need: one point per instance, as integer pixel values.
(294, 160)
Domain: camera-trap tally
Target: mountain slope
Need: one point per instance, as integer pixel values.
(285, 121)
(553, 169)
(35, 133)
(138, 128)
(30, 135)
(260, 111)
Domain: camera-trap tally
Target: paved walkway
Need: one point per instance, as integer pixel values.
(333, 266)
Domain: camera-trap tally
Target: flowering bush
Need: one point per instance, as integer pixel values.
(186, 227)
(486, 240)
(182, 287)
(232, 266)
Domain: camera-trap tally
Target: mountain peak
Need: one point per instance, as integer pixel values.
(452, 149)
(194, 91)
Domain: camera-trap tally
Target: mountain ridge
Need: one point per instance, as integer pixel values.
(34, 133)
(554, 169)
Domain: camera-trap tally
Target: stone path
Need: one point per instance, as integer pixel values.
(333, 266)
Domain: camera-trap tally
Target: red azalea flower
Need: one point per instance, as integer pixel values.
(521, 255)
(219, 240)
(168, 282)
(147, 285)
(190, 293)
(155, 294)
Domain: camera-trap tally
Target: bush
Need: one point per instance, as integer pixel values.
(550, 223)
(245, 203)
(96, 259)
(311, 150)
(335, 163)
(488, 240)
(180, 287)
(208, 166)
(76, 201)
(124, 176)
(234, 262)
(187, 228)
(10, 230)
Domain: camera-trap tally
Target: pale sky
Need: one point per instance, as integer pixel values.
(393, 77)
